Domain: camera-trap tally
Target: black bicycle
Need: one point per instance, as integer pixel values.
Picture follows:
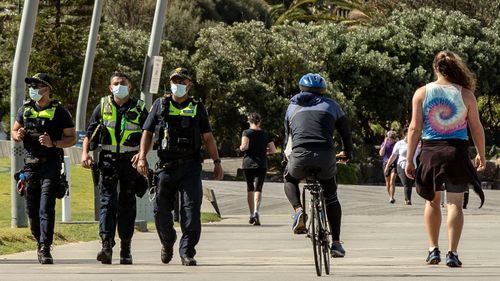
(318, 229)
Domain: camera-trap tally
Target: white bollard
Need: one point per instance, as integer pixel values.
(66, 201)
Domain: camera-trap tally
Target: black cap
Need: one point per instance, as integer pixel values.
(180, 72)
(42, 78)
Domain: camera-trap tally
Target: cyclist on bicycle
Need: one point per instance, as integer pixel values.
(311, 119)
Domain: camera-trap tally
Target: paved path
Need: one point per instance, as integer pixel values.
(383, 242)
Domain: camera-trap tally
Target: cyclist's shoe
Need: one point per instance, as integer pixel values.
(256, 219)
(434, 257)
(337, 250)
(452, 260)
(299, 222)
(251, 220)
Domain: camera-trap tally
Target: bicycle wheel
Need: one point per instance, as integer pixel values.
(315, 232)
(325, 237)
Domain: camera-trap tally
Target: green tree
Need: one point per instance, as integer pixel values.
(486, 11)
(184, 19)
(247, 67)
(130, 14)
(373, 70)
(124, 50)
(349, 12)
(8, 15)
(56, 49)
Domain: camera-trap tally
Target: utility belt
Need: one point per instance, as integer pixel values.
(117, 156)
(174, 163)
(32, 160)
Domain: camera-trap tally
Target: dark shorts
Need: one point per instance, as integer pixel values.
(392, 168)
(303, 159)
(454, 187)
(255, 179)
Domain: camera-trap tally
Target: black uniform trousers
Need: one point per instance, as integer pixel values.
(42, 182)
(186, 179)
(118, 206)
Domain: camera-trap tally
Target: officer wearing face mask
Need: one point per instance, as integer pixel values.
(116, 127)
(182, 123)
(45, 127)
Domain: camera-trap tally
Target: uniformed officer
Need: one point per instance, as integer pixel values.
(45, 127)
(182, 123)
(116, 126)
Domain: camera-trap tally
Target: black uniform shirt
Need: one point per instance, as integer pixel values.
(62, 120)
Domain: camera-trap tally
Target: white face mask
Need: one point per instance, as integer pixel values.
(178, 90)
(34, 95)
(120, 91)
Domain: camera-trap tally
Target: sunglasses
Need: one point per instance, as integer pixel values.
(37, 86)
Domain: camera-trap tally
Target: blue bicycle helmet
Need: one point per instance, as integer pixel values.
(312, 80)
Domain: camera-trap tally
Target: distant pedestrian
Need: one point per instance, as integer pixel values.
(257, 144)
(399, 152)
(390, 173)
(441, 112)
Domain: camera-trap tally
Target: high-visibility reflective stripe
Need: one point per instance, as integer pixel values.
(188, 111)
(113, 148)
(48, 113)
(109, 117)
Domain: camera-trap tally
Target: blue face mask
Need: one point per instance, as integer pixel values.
(120, 91)
(179, 90)
(34, 95)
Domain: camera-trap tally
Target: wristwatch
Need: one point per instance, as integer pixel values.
(216, 161)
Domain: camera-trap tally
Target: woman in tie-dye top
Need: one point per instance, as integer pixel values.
(441, 112)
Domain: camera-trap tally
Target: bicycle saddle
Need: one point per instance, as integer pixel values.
(312, 170)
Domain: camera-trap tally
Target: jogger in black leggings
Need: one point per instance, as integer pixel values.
(256, 143)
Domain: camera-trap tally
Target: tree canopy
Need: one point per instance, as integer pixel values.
(241, 62)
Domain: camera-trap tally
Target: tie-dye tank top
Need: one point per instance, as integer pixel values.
(445, 114)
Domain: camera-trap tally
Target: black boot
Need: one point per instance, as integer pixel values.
(167, 252)
(105, 255)
(44, 256)
(125, 256)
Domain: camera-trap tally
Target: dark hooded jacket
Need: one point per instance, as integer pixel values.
(312, 119)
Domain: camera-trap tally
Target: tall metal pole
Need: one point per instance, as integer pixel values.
(154, 50)
(19, 72)
(83, 96)
(144, 207)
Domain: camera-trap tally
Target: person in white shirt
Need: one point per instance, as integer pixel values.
(399, 152)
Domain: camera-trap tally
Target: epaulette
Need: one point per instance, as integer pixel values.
(55, 103)
(28, 102)
(194, 99)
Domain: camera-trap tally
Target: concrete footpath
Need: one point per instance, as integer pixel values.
(383, 242)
